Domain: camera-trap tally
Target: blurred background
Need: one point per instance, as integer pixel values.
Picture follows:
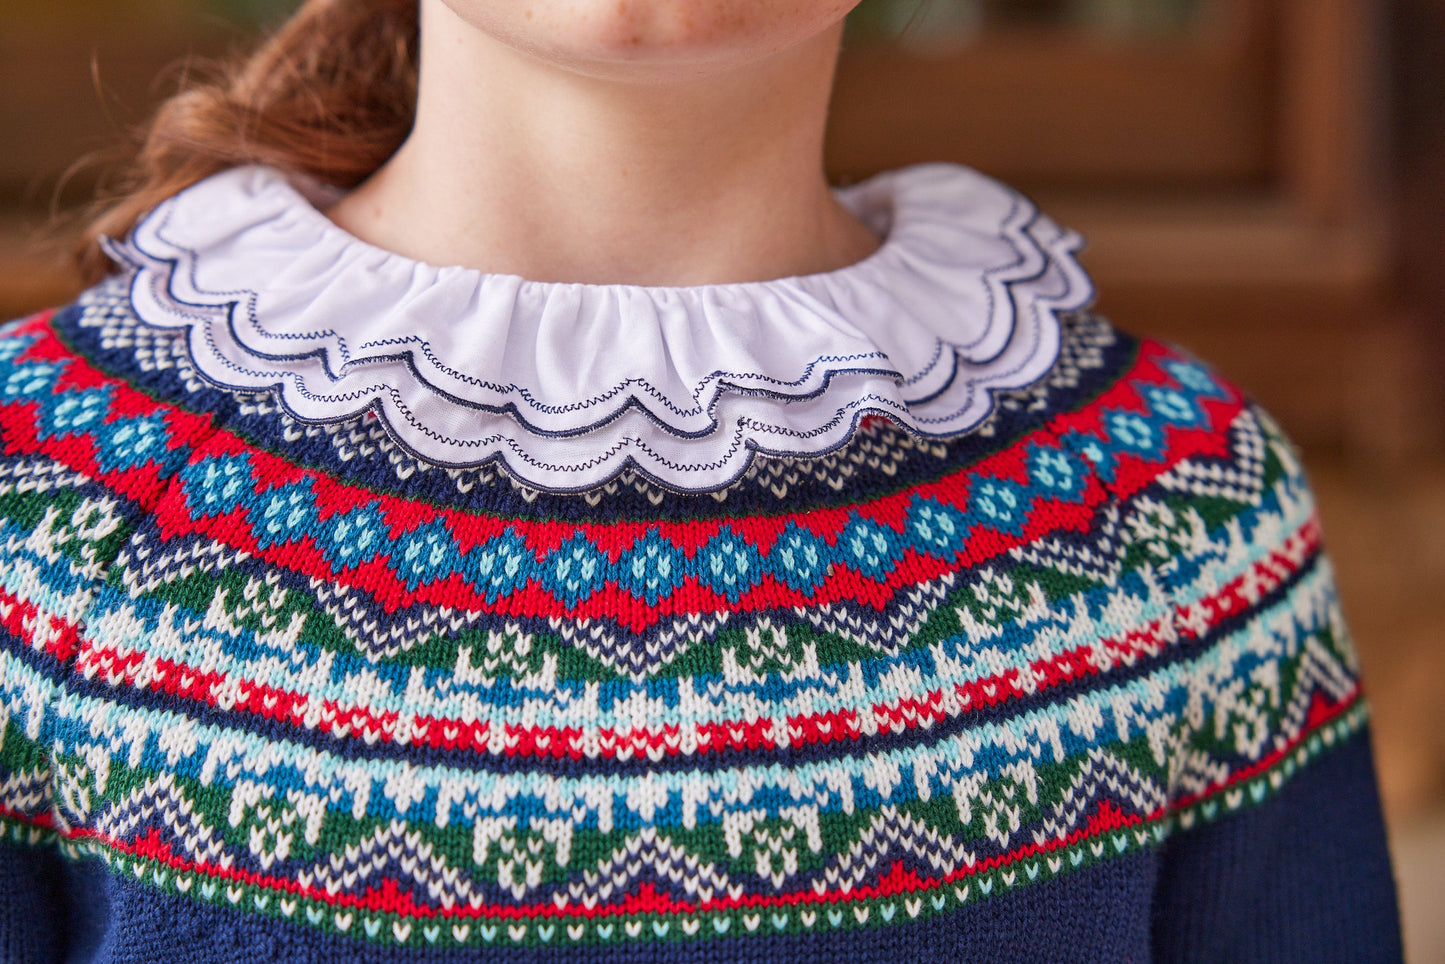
(1262, 181)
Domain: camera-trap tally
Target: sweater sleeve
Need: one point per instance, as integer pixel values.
(31, 870)
(1278, 851)
(81, 460)
(1305, 876)
(51, 530)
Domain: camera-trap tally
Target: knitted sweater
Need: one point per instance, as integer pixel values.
(357, 610)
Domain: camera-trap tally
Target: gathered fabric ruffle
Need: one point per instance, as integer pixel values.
(567, 384)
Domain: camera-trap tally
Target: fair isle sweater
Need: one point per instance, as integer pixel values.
(353, 609)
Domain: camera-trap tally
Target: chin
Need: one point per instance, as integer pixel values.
(642, 34)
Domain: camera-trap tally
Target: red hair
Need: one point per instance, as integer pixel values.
(331, 95)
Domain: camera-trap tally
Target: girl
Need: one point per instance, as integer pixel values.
(497, 503)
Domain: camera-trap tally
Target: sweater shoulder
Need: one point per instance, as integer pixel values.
(86, 457)
(72, 410)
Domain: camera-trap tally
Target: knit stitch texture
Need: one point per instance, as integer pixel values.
(1073, 686)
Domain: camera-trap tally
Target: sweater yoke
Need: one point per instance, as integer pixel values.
(1072, 686)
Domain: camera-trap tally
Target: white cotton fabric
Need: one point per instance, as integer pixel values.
(568, 383)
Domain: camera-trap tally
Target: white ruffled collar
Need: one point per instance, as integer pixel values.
(568, 383)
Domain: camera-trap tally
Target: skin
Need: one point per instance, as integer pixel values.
(648, 142)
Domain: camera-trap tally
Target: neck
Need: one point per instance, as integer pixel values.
(518, 166)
